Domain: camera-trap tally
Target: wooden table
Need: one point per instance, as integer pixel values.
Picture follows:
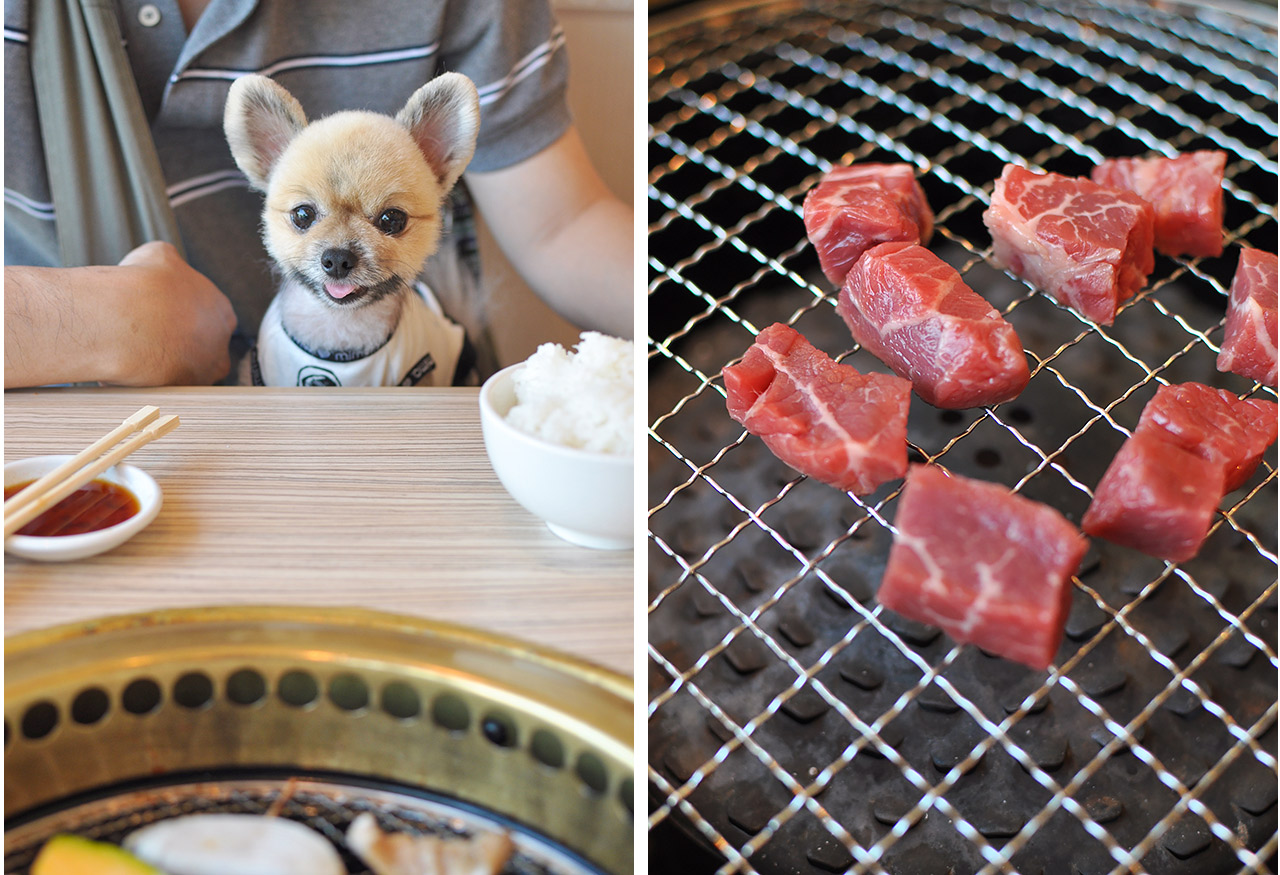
(377, 498)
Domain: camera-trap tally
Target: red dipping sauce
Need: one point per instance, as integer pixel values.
(96, 505)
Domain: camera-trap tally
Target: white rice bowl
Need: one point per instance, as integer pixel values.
(583, 400)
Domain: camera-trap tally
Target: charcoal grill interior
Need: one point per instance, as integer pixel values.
(794, 725)
(326, 803)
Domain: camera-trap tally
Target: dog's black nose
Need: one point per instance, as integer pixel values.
(337, 263)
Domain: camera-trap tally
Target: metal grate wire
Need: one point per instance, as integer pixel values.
(748, 107)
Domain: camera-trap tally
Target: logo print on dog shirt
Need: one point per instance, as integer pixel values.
(314, 375)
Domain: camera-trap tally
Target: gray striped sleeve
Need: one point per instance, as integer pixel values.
(514, 52)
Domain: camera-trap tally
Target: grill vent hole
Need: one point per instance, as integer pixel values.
(401, 701)
(987, 457)
(193, 690)
(499, 729)
(349, 692)
(246, 687)
(592, 772)
(547, 749)
(626, 794)
(1020, 415)
(89, 706)
(40, 719)
(141, 696)
(297, 688)
(451, 712)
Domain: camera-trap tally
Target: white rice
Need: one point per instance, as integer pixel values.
(584, 399)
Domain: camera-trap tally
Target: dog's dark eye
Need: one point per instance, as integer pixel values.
(392, 221)
(302, 216)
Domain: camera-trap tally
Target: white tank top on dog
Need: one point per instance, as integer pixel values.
(423, 351)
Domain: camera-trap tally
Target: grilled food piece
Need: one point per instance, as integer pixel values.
(1192, 446)
(823, 418)
(246, 844)
(856, 207)
(1155, 497)
(1215, 425)
(1088, 246)
(388, 853)
(72, 855)
(986, 565)
(1185, 192)
(912, 310)
(1249, 343)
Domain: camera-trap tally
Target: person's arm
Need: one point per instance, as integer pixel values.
(151, 320)
(565, 232)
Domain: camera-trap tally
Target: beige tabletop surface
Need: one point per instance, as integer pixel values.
(376, 498)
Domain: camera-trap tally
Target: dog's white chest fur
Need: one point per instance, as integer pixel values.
(423, 350)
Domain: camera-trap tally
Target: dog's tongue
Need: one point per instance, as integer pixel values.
(339, 290)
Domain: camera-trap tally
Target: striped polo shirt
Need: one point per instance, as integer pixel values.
(331, 55)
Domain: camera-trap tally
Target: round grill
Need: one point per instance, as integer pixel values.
(794, 725)
(317, 715)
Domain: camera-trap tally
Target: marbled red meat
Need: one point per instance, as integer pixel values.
(821, 417)
(1193, 444)
(853, 208)
(987, 566)
(1087, 246)
(912, 310)
(1249, 343)
(1185, 192)
(1156, 497)
(1215, 425)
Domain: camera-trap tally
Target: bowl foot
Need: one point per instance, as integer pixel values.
(586, 539)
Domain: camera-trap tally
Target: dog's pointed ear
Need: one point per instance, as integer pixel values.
(260, 119)
(443, 117)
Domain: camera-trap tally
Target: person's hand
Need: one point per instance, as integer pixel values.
(151, 320)
(179, 322)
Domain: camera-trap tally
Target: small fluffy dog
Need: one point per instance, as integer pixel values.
(353, 210)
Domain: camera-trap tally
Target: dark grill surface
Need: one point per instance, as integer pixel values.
(795, 725)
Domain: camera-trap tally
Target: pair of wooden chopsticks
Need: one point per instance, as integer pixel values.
(145, 426)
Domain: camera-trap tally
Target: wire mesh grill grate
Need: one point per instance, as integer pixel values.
(795, 725)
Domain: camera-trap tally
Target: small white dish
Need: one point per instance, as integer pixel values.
(64, 548)
(584, 497)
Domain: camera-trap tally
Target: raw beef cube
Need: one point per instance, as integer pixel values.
(987, 566)
(1156, 497)
(1214, 425)
(822, 418)
(913, 311)
(1193, 444)
(1249, 344)
(1086, 245)
(1186, 193)
(853, 208)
